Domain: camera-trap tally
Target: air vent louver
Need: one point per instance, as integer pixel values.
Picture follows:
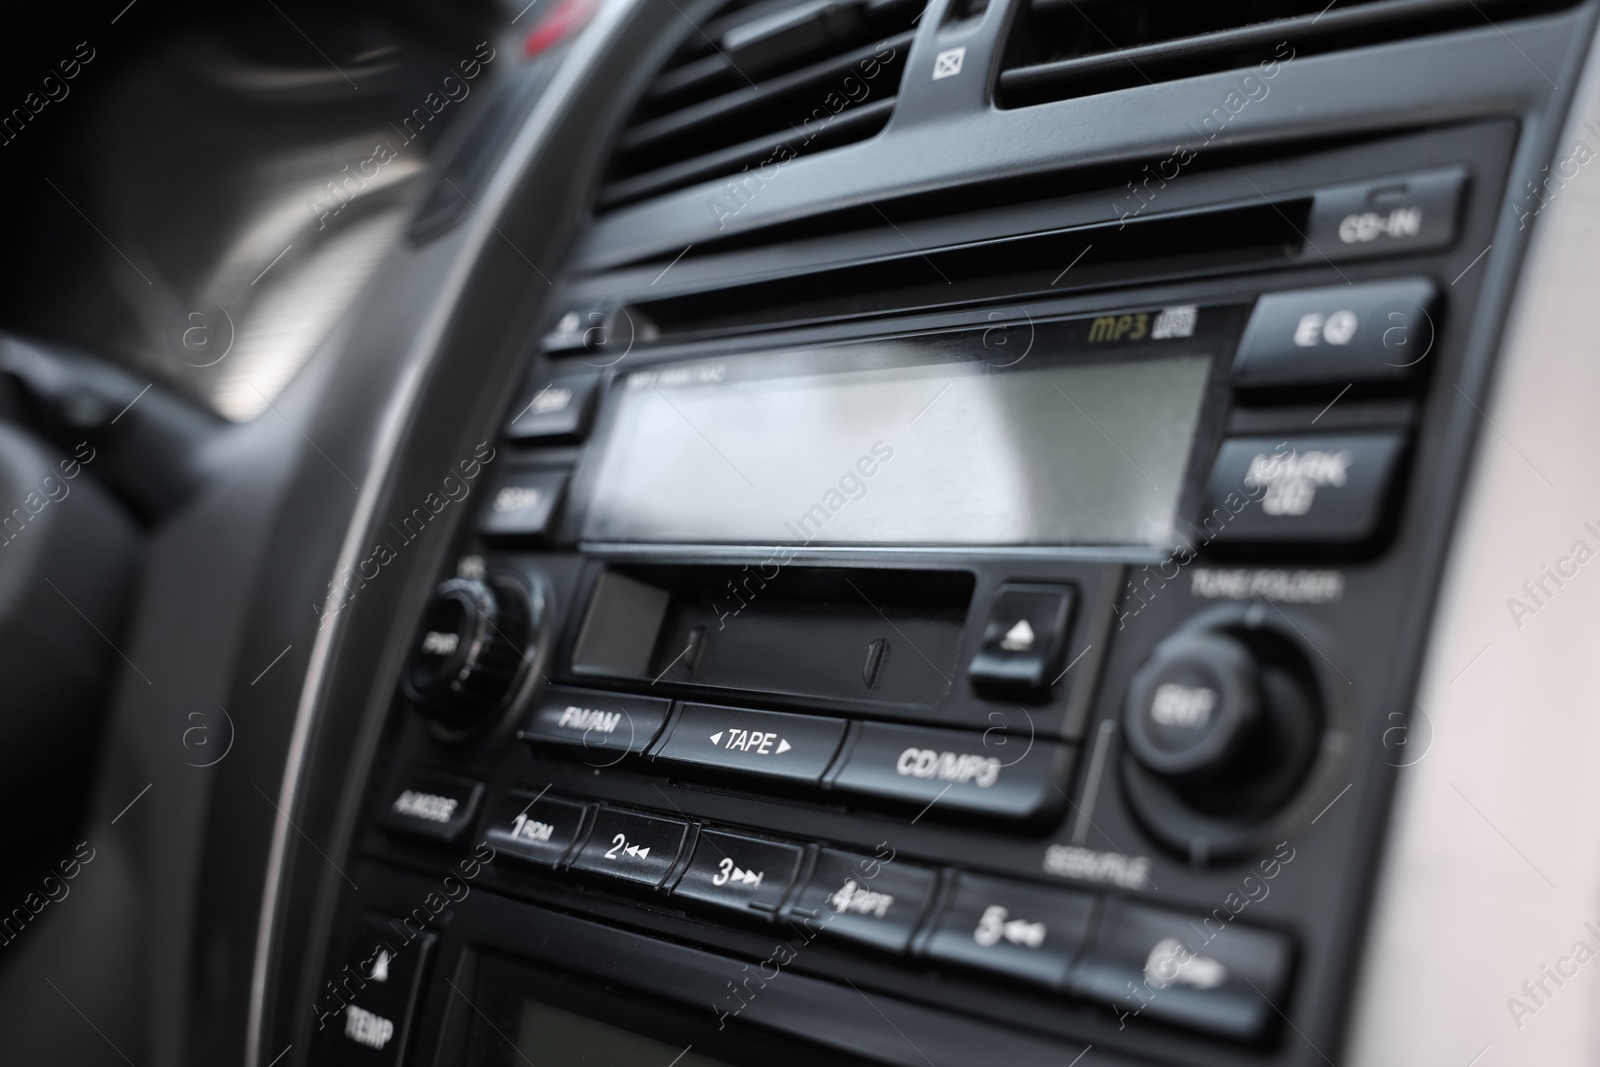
(1068, 48)
(762, 81)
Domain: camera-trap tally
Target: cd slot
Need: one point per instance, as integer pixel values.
(1114, 253)
(878, 635)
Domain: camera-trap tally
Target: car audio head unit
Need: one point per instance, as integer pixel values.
(1012, 662)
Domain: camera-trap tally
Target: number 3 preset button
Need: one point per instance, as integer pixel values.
(632, 846)
(773, 744)
(742, 873)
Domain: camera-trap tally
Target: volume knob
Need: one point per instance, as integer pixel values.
(469, 652)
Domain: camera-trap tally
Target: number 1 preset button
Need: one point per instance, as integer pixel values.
(772, 744)
(632, 846)
(534, 828)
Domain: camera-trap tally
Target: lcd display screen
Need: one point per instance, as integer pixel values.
(550, 1037)
(919, 442)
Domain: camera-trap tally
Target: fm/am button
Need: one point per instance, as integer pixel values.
(604, 725)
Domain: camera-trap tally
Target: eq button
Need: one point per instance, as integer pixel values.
(1373, 332)
(772, 744)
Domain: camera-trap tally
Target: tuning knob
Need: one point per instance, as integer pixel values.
(1227, 722)
(469, 652)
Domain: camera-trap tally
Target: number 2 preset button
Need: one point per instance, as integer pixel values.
(773, 744)
(632, 846)
(742, 873)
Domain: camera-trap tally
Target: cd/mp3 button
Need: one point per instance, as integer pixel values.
(1007, 774)
(772, 744)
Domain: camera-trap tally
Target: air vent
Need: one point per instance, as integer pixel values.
(1068, 48)
(758, 83)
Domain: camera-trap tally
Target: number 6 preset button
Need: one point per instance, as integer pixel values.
(742, 873)
(772, 744)
(632, 846)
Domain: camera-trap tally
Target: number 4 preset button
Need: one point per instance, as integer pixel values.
(772, 744)
(632, 846)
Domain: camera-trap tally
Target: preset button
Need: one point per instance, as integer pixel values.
(632, 846)
(1011, 928)
(537, 829)
(739, 873)
(869, 900)
(1226, 980)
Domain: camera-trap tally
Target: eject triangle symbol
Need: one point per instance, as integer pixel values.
(1019, 638)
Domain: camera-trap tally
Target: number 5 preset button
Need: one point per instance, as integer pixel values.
(632, 846)
(772, 744)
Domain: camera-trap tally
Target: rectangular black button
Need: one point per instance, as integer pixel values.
(1022, 639)
(632, 846)
(1022, 931)
(1225, 980)
(605, 725)
(1373, 332)
(1328, 489)
(553, 409)
(1001, 773)
(386, 961)
(1406, 213)
(870, 901)
(431, 806)
(772, 744)
(741, 873)
(534, 828)
(523, 504)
